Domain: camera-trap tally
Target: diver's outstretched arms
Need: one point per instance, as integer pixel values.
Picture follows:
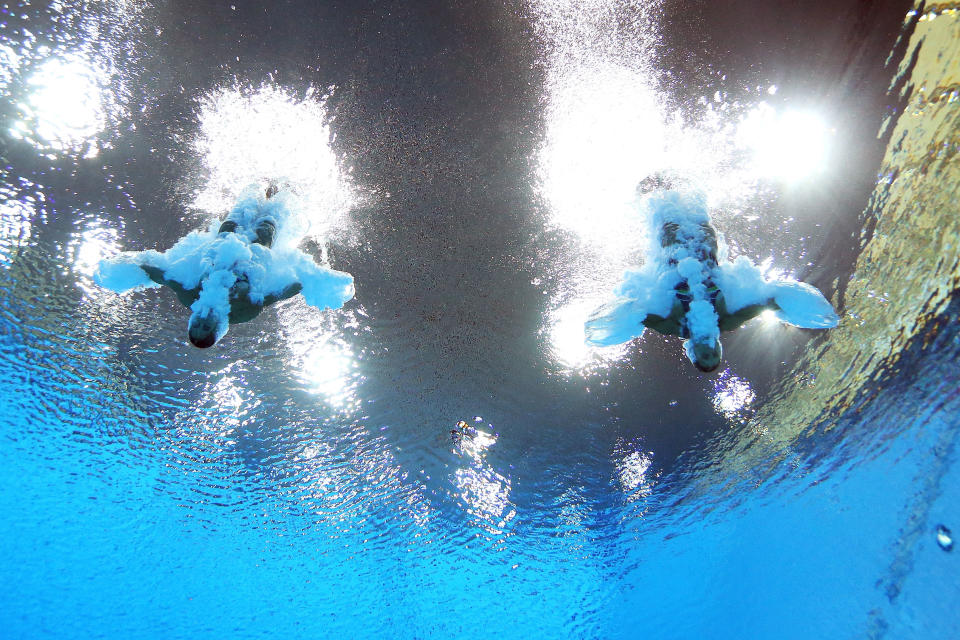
(127, 271)
(186, 296)
(746, 293)
(288, 292)
(614, 323)
(733, 321)
(802, 305)
(130, 271)
(322, 287)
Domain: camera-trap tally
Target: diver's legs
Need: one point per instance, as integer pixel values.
(668, 234)
(709, 242)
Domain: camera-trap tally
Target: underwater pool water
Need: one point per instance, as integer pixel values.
(473, 165)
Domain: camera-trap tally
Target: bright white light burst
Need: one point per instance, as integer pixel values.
(605, 134)
(326, 363)
(65, 110)
(95, 245)
(328, 370)
(567, 339)
(788, 146)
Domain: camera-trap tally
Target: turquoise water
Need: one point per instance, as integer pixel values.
(117, 524)
(466, 164)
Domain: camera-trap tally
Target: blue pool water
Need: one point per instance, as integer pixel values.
(113, 528)
(471, 164)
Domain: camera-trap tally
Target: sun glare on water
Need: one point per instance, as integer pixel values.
(65, 110)
(788, 146)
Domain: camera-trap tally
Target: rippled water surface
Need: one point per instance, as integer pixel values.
(474, 165)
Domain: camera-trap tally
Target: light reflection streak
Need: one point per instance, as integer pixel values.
(271, 135)
(633, 473)
(9, 65)
(88, 247)
(326, 368)
(15, 226)
(326, 362)
(484, 491)
(94, 244)
(732, 395)
(224, 399)
(634, 470)
(486, 494)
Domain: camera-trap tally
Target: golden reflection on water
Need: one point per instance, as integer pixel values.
(911, 264)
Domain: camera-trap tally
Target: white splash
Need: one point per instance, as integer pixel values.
(270, 134)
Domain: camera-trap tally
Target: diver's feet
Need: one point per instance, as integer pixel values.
(712, 291)
(228, 226)
(272, 191)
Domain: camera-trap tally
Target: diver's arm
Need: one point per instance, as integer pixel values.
(186, 296)
(670, 325)
(731, 321)
(154, 274)
(289, 292)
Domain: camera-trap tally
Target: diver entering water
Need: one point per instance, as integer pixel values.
(707, 353)
(203, 327)
(684, 288)
(235, 282)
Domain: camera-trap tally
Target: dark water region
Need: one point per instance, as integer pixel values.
(436, 106)
(308, 458)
